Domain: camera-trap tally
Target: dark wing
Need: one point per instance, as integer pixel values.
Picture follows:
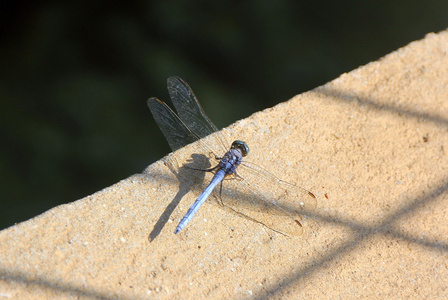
(188, 107)
(176, 132)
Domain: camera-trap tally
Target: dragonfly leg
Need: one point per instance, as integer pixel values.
(220, 195)
(234, 176)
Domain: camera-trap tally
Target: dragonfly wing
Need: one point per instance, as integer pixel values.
(261, 196)
(176, 132)
(188, 107)
(290, 195)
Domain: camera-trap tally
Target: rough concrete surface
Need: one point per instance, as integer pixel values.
(372, 145)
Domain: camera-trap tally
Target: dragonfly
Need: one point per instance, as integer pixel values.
(278, 206)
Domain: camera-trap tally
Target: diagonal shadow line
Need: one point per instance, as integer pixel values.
(364, 233)
(344, 96)
(356, 227)
(68, 289)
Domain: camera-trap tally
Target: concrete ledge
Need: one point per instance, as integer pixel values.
(372, 145)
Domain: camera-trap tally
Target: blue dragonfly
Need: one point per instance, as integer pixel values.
(278, 206)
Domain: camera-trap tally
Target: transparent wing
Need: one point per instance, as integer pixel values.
(190, 124)
(193, 116)
(261, 196)
(175, 131)
(289, 192)
(188, 107)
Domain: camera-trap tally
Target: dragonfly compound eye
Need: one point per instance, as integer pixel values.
(242, 146)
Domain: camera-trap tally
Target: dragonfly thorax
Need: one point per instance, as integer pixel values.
(231, 160)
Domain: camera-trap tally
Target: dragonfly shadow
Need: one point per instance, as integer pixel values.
(188, 179)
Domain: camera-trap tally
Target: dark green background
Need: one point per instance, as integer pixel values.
(75, 76)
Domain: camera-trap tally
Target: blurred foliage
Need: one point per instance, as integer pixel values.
(75, 76)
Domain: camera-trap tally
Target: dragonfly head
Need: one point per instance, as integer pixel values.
(242, 146)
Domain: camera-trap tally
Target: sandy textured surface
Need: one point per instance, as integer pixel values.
(372, 145)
